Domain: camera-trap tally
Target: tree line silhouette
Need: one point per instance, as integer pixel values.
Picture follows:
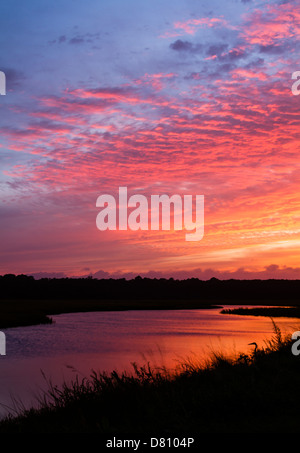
(27, 287)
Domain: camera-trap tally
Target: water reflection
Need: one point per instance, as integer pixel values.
(77, 343)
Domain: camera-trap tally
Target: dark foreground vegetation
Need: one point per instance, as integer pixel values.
(257, 392)
(274, 312)
(26, 301)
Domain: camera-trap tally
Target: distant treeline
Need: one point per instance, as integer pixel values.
(26, 287)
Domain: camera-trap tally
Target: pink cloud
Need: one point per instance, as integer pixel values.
(156, 81)
(248, 74)
(272, 24)
(234, 138)
(191, 26)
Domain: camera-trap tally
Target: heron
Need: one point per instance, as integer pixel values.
(255, 348)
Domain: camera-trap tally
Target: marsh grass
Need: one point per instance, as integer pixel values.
(279, 311)
(256, 392)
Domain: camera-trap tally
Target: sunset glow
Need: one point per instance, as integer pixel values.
(163, 98)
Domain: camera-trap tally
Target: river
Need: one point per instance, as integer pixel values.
(76, 343)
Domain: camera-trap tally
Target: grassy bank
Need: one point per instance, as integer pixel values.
(274, 312)
(255, 392)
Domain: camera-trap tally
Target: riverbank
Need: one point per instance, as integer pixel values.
(19, 313)
(258, 392)
(26, 301)
(274, 312)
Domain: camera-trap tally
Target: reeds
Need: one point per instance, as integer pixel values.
(256, 392)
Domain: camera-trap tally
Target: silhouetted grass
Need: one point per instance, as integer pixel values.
(290, 312)
(255, 392)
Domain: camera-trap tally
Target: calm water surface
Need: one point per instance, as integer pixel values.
(77, 343)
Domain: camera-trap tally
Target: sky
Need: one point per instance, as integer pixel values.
(163, 97)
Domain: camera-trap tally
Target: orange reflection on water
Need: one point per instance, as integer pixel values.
(78, 343)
